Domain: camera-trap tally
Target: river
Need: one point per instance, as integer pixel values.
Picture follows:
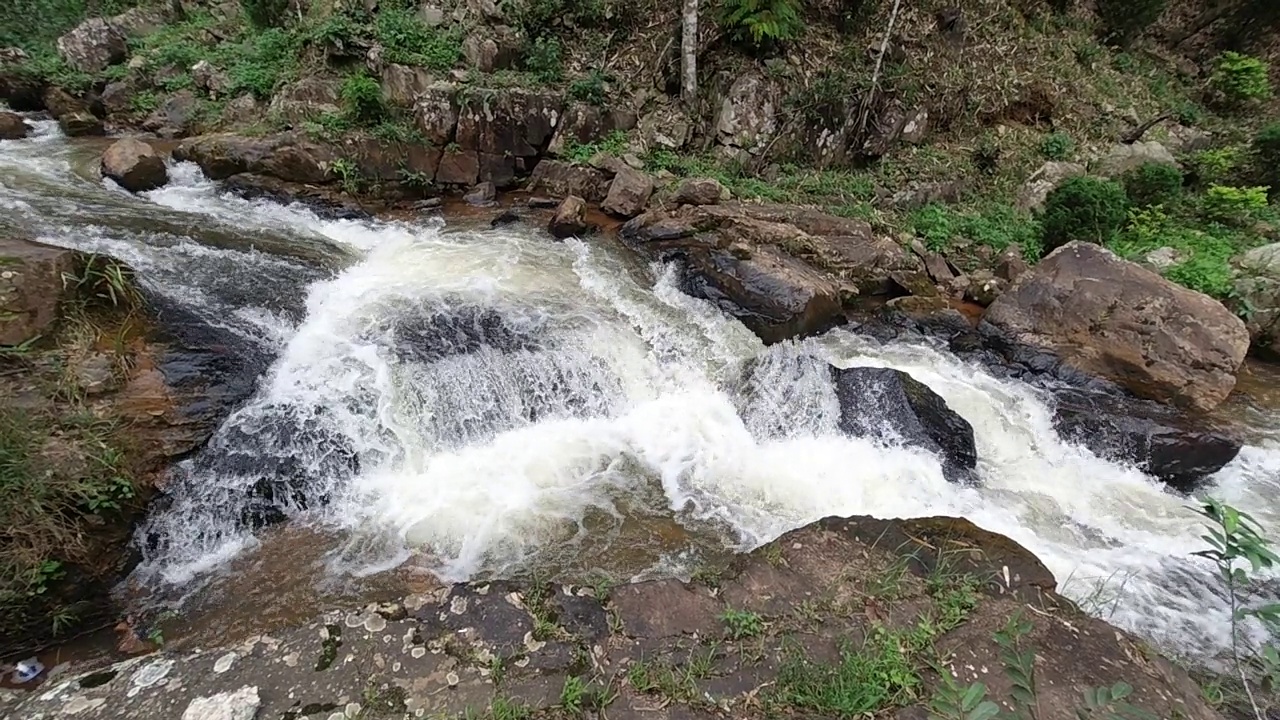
(474, 402)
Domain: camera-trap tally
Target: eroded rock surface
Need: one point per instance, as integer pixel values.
(743, 644)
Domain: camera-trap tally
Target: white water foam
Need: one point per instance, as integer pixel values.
(489, 458)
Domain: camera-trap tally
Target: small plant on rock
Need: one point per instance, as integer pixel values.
(1057, 146)
(1239, 79)
(1084, 208)
(742, 624)
(266, 13)
(1153, 184)
(544, 60)
(362, 100)
(589, 89)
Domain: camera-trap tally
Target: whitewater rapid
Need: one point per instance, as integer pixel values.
(597, 397)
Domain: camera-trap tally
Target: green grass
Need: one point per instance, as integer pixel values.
(877, 675)
(994, 224)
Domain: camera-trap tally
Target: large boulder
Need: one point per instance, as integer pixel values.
(891, 405)
(134, 165)
(12, 126)
(1123, 157)
(286, 156)
(93, 45)
(403, 84)
(568, 220)
(19, 87)
(1258, 288)
(507, 130)
(59, 102)
(699, 191)
(1164, 443)
(81, 123)
(435, 111)
(628, 193)
(31, 288)
(305, 99)
(1116, 319)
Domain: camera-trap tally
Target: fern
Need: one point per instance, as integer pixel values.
(763, 22)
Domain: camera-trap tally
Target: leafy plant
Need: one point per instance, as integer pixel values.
(951, 702)
(742, 624)
(1233, 205)
(1205, 264)
(996, 225)
(1266, 152)
(362, 99)
(589, 89)
(762, 23)
(544, 60)
(865, 680)
(1057, 146)
(1153, 184)
(1239, 79)
(612, 144)
(986, 153)
(266, 13)
(1083, 208)
(348, 175)
(406, 39)
(1124, 20)
(1213, 166)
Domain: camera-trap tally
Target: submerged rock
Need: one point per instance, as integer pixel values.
(134, 165)
(1116, 319)
(889, 404)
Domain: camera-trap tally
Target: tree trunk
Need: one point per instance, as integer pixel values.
(689, 54)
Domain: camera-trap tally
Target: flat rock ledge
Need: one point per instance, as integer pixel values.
(748, 642)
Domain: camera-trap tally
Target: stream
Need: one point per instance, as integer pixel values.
(453, 401)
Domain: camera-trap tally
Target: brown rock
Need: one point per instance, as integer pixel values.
(482, 194)
(436, 113)
(134, 165)
(511, 122)
(1116, 319)
(402, 84)
(664, 608)
(1011, 264)
(285, 156)
(175, 118)
(583, 123)
(458, 168)
(297, 102)
(93, 45)
(31, 288)
(59, 102)
(81, 123)
(983, 287)
(699, 191)
(117, 98)
(568, 220)
(937, 267)
(628, 193)
(12, 126)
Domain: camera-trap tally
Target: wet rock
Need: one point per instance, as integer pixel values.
(568, 220)
(93, 45)
(542, 203)
(285, 156)
(59, 102)
(1165, 444)
(19, 88)
(1258, 286)
(31, 288)
(1034, 192)
(458, 167)
(891, 405)
(1122, 158)
(699, 191)
(628, 193)
(1118, 320)
(324, 202)
(12, 126)
(240, 704)
(134, 165)
(81, 123)
(482, 195)
(506, 217)
(562, 179)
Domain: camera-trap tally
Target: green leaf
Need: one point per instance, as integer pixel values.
(973, 696)
(986, 710)
(1121, 690)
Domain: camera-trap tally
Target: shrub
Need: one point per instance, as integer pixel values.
(1124, 20)
(1084, 208)
(543, 60)
(762, 23)
(589, 89)
(266, 13)
(997, 226)
(1153, 184)
(1266, 152)
(1205, 266)
(540, 17)
(362, 99)
(262, 62)
(1212, 167)
(1233, 205)
(1239, 79)
(407, 40)
(1057, 146)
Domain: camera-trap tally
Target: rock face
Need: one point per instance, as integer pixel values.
(887, 403)
(12, 126)
(134, 165)
(1113, 318)
(1123, 158)
(93, 45)
(628, 193)
(666, 625)
(568, 220)
(31, 289)
(1163, 443)
(748, 117)
(1258, 286)
(562, 179)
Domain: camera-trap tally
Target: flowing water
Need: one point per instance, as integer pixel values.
(476, 402)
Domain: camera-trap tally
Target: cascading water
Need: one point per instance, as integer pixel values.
(485, 402)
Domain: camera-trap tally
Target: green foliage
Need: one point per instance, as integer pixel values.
(1239, 79)
(34, 25)
(144, 102)
(1019, 664)
(867, 679)
(951, 702)
(545, 17)
(1124, 20)
(986, 153)
(612, 144)
(54, 70)
(823, 101)
(406, 39)
(1057, 146)
(544, 60)
(1153, 184)
(1266, 153)
(266, 13)
(1214, 166)
(348, 175)
(362, 99)
(1206, 256)
(589, 89)
(1083, 208)
(762, 23)
(742, 624)
(1233, 205)
(997, 226)
(395, 131)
